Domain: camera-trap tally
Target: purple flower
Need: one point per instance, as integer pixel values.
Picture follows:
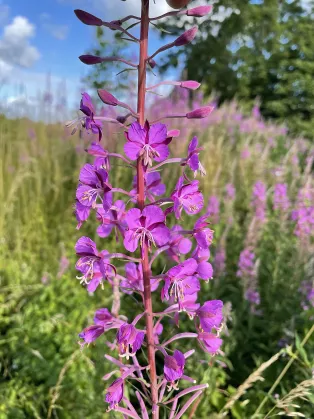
(93, 185)
(153, 186)
(157, 332)
(181, 281)
(147, 226)
(259, 200)
(101, 156)
(88, 122)
(203, 236)
(174, 366)
(307, 291)
(129, 340)
(112, 219)
(81, 213)
(151, 142)
(230, 191)
(246, 265)
(213, 208)
(114, 393)
(103, 321)
(281, 200)
(220, 260)
(178, 244)
(91, 333)
(187, 197)
(92, 264)
(253, 297)
(209, 342)
(210, 315)
(134, 279)
(192, 160)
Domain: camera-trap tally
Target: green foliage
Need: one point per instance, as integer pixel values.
(260, 49)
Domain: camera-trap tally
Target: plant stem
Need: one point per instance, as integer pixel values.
(141, 203)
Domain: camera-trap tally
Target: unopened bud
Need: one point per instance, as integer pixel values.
(87, 18)
(199, 11)
(107, 97)
(190, 84)
(173, 133)
(200, 113)
(152, 63)
(186, 37)
(90, 59)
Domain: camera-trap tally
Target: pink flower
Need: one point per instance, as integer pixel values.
(147, 226)
(151, 142)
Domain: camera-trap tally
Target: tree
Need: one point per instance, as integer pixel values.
(102, 76)
(259, 48)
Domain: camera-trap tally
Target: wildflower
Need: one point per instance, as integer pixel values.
(152, 184)
(101, 156)
(114, 393)
(203, 236)
(134, 279)
(147, 226)
(187, 197)
(209, 342)
(129, 340)
(174, 367)
(246, 263)
(220, 260)
(259, 200)
(92, 264)
(210, 315)
(93, 185)
(88, 122)
(112, 219)
(178, 244)
(81, 213)
(213, 208)
(192, 160)
(230, 191)
(103, 321)
(181, 281)
(281, 200)
(151, 142)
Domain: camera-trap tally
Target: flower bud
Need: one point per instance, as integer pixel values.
(190, 84)
(90, 59)
(87, 18)
(152, 63)
(186, 37)
(107, 97)
(200, 113)
(199, 11)
(173, 133)
(177, 4)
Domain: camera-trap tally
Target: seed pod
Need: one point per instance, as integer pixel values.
(177, 4)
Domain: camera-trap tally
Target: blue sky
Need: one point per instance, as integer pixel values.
(41, 37)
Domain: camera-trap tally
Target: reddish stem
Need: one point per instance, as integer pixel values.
(141, 204)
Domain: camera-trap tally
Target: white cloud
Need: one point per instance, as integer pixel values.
(59, 32)
(115, 9)
(15, 46)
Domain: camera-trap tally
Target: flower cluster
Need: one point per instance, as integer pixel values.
(145, 233)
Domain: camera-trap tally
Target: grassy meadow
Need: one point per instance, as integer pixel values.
(268, 362)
